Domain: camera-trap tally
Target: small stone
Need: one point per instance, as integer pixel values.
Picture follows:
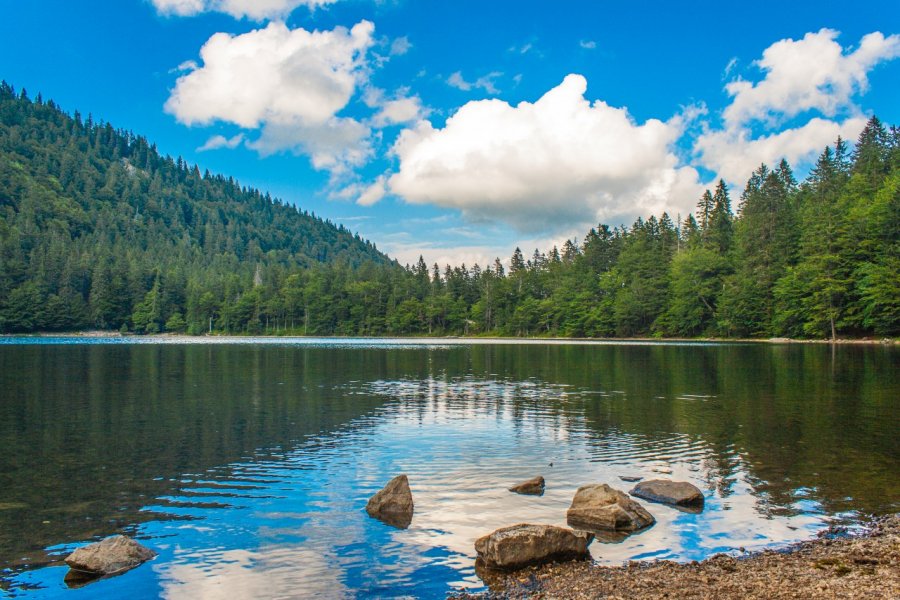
(532, 487)
(393, 504)
(527, 544)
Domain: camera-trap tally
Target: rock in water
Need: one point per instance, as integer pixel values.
(532, 487)
(679, 493)
(393, 504)
(525, 544)
(112, 556)
(601, 507)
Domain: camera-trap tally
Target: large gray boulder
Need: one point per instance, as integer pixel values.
(526, 544)
(111, 556)
(678, 493)
(393, 504)
(532, 487)
(601, 507)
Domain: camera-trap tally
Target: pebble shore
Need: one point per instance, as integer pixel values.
(835, 565)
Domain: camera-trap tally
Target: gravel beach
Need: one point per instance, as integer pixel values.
(834, 565)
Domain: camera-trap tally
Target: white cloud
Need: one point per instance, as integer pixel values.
(731, 66)
(485, 82)
(523, 49)
(334, 144)
(456, 80)
(400, 46)
(256, 10)
(220, 141)
(399, 110)
(814, 73)
(734, 154)
(588, 44)
(373, 193)
(469, 255)
(291, 84)
(545, 165)
(394, 109)
(180, 8)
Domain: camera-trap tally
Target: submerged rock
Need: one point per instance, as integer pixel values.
(111, 556)
(532, 487)
(679, 493)
(393, 504)
(630, 478)
(526, 544)
(601, 507)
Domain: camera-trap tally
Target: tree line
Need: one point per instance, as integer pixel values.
(97, 230)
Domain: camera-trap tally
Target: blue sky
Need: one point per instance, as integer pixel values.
(460, 130)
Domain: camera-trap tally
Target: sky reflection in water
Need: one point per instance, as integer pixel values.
(292, 523)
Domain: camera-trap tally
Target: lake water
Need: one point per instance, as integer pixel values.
(247, 465)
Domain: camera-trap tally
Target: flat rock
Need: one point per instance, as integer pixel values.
(532, 487)
(393, 504)
(111, 556)
(601, 507)
(630, 478)
(679, 493)
(527, 544)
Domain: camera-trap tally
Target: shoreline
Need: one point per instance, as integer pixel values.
(833, 565)
(231, 338)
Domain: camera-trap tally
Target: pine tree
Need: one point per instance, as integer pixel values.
(719, 230)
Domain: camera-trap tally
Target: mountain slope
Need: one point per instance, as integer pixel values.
(92, 219)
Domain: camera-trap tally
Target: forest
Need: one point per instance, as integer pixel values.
(99, 231)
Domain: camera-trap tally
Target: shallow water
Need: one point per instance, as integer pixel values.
(247, 464)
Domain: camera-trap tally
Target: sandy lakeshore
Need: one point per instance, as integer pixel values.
(832, 566)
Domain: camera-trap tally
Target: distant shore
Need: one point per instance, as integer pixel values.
(835, 565)
(184, 338)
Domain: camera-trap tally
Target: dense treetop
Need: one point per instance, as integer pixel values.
(98, 230)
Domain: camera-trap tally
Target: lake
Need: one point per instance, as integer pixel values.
(246, 464)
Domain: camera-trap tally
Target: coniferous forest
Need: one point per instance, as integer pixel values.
(99, 231)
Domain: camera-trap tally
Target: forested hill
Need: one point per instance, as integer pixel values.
(98, 230)
(93, 218)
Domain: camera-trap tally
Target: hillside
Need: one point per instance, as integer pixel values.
(97, 230)
(93, 219)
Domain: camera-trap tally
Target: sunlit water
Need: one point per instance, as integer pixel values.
(247, 465)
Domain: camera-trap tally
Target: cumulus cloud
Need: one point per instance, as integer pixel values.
(588, 44)
(544, 165)
(734, 154)
(289, 83)
(220, 141)
(335, 144)
(256, 10)
(814, 73)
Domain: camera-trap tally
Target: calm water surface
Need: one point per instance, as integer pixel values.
(247, 465)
